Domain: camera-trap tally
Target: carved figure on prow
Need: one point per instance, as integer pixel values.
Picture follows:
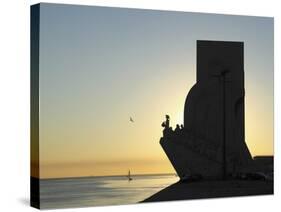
(177, 129)
(167, 129)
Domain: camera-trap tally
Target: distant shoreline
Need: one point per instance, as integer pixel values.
(98, 176)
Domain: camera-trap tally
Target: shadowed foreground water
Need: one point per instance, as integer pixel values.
(98, 191)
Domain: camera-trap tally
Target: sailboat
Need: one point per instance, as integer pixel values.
(129, 176)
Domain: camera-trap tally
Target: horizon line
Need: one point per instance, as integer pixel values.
(89, 176)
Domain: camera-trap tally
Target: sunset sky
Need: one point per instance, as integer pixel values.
(99, 66)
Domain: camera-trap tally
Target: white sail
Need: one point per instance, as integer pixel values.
(129, 176)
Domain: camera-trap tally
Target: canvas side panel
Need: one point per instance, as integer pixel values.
(34, 106)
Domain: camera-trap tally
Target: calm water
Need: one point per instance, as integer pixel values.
(97, 191)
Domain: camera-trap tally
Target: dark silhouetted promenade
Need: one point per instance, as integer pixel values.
(212, 189)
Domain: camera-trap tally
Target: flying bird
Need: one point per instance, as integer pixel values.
(131, 119)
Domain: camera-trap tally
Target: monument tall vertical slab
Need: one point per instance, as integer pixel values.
(225, 61)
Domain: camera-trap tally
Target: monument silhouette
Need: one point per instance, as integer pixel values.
(211, 144)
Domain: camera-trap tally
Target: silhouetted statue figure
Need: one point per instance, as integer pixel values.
(177, 129)
(181, 127)
(167, 129)
(166, 124)
(213, 143)
(167, 121)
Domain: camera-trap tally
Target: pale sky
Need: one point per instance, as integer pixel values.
(99, 66)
